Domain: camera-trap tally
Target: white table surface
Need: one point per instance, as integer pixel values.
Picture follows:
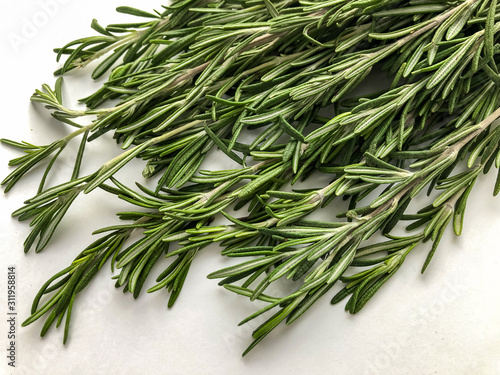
(444, 322)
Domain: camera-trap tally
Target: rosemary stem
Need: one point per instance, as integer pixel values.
(482, 126)
(76, 133)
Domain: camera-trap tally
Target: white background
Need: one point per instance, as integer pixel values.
(444, 322)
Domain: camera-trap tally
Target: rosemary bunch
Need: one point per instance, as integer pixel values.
(250, 78)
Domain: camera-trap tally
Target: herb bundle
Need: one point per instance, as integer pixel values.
(249, 78)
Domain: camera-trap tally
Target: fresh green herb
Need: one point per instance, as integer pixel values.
(249, 79)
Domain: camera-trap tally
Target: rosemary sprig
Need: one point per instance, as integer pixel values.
(249, 78)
